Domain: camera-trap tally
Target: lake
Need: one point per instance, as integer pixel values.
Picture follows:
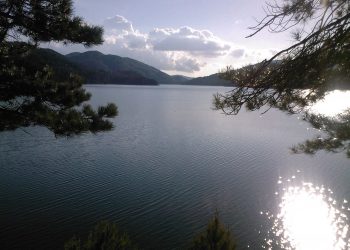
(161, 174)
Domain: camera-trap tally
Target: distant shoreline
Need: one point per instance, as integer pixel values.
(158, 85)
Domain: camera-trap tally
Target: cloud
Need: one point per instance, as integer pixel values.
(166, 49)
(118, 30)
(176, 50)
(128, 41)
(187, 64)
(243, 56)
(198, 42)
(118, 23)
(237, 53)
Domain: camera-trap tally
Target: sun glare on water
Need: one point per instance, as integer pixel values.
(309, 218)
(334, 103)
(310, 221)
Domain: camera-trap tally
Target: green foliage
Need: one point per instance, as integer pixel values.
(335, 139)
(105, 236)
(300, 75)
(60, 65)
(215, 237)
(31, 93)
(73, 244)
(45, 21)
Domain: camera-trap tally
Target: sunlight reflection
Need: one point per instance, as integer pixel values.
(335, 102)
(309, 218)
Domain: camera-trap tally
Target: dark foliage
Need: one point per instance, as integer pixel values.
(215, 237)
(30, 91)
(335, 137)
(105, 236)
(300, 75)
(318, 60)
(45, 21)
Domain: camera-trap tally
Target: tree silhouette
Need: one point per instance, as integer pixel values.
(335, 138)
(105, 236)
(300, 75)
(31, 94)
(214, 237)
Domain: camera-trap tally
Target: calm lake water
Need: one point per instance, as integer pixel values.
(165, 169)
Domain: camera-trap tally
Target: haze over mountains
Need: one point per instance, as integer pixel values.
(98, 68)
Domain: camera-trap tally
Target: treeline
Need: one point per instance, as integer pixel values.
(107, 236)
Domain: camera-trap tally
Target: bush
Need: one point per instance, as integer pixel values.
(215, 237)
(105, 236)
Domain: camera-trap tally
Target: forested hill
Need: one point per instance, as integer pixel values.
(212, 80)
(62, 67)
(96, 64)
(98, 68)
(90, 71)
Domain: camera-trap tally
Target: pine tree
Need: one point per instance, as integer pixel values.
(105, 236)
(32, 95)
(215, 237)
(300, 75)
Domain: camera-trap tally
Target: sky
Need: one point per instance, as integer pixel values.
(186, 37)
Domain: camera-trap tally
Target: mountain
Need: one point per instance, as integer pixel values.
(211, 80)
(99, 68)
(40, 57)
(178, 79)
(63, 67)
(96, 64)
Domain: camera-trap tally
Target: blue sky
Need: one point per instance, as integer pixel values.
(188, 37)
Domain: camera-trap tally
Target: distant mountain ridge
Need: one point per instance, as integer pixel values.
(95, 62)
(180, 79)
(98, 68)
(211, 80)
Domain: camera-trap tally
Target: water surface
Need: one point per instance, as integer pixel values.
(161, 173)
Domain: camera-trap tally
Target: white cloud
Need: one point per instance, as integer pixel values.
(123, 39)
(245, 56)
(187, 64)
(188, 39)
(118, 24)
(182, 50)
(118, 30)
